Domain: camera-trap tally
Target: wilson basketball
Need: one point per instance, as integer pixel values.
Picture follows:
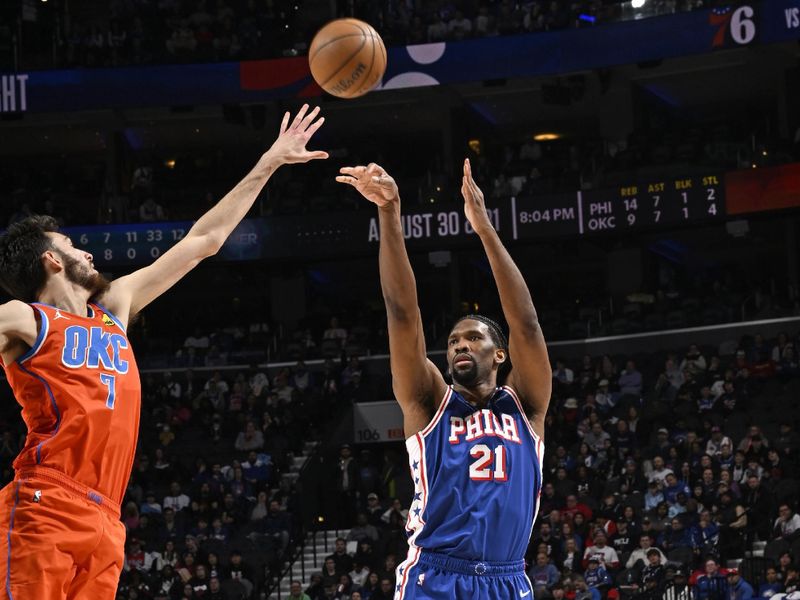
(347, 58)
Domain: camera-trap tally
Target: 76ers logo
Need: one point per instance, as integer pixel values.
(734, 27)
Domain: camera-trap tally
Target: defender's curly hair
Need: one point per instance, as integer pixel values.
(22, 273)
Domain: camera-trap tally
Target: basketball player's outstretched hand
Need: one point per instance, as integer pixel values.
(474, 206)
(372, 182)
(290, 147)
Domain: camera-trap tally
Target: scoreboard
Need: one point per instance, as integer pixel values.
(633, 207)
(636, 206)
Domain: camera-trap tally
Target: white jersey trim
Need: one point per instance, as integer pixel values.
(538, 447)
(409, 563)
(415, 521)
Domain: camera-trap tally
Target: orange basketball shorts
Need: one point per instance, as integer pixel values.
(59, 540)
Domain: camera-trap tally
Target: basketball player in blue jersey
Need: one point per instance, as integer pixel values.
(475, 449)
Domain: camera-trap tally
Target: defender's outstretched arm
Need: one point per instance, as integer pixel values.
(130, 294)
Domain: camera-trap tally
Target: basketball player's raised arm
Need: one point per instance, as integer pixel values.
(531, 375)
(130, 294)
(417, 383)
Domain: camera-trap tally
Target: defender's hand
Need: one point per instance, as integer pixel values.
(290, 147)
(474, 206)
(372, 182)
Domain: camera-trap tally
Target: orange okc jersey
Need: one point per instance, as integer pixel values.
(80, 395)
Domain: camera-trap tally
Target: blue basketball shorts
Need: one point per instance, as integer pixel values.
(432, 576)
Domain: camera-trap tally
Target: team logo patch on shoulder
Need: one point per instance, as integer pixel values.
(108, 320)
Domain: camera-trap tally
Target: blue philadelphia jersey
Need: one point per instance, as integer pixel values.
(478, 478)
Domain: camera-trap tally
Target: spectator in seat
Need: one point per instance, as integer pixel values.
(717, 440)
(670, 381)
(630, 380)
(596, 575)
(359, 573)
(732, 519)
(753, 432)
(249, 439)
(660, 470)
(543, 574)
(705, 534)
(653, 497)
(758, 502)
(673, 487)
(641, 553)
(199, 582)
(374, 509)
(738, 588)
(654, 568)
(571, 556)
(791, 582)
(596, 437)
(606, 555)
(362, 530)
(385, 591)
(771, 584)
(675, 536)
(573, 507)
(583, 591)
(176, 500)
(757, 450)
(624, 440)
(335, 332)
(239, 571)
(787, 525)
(330, 576)
(344, 562)
(711, 584)
(603, 398)
(693, 362)
(788, 441)
(563, 374)
(623, 540)
(256, 468)
(705, 401)
(150, 211)
(276, 525)
(459, 27)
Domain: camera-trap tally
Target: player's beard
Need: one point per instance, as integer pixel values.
(465, 377)
(80, 274)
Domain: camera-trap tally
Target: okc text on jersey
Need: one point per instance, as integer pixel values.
(94, 348)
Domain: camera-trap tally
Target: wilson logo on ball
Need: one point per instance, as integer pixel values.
(347, 58)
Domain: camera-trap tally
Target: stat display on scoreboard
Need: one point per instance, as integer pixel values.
(633, 207)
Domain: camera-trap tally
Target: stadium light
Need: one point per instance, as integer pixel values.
(637, 3)
(546, 137)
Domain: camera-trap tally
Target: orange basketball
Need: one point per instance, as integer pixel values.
(347, 58)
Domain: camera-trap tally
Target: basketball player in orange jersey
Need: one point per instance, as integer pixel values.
(69, 362)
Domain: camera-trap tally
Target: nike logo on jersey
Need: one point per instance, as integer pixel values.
(59, 316)
(483, 423)
(523, 594)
